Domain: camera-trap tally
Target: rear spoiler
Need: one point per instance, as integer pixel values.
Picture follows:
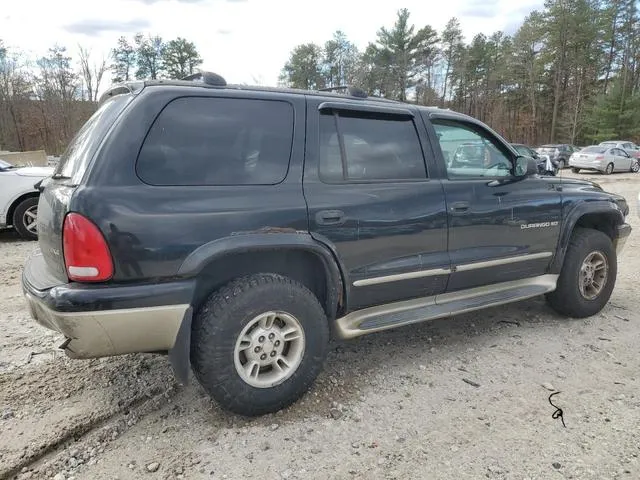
(120, 89)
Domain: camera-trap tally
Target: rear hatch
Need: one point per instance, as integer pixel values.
(58, 190)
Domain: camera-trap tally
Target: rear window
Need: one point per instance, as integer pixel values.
(218, 141)
(73, 162)
(595, 149)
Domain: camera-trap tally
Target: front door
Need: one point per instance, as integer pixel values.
(501, 228)
(369, 195)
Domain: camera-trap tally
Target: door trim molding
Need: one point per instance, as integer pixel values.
(401, 276)
(502, 261)
(465, 267)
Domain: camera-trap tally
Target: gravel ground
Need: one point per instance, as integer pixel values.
(457, 398)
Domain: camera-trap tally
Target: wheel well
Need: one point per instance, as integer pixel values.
(16, 202)
(603, 222)
(302, 266)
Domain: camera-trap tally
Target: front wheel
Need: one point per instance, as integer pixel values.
(25, 218)
(560, 164)
(635, 166)
(588, 275)
(259, 343)
(575, 170)
(609, 169)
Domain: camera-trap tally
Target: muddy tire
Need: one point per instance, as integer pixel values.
(24, 218)
(588, 275)
(259, 343)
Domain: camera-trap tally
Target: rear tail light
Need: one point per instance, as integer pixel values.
(86, 254)
(600, 157)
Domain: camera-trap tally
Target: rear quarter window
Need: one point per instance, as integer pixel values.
(218, 141)
(75, 159)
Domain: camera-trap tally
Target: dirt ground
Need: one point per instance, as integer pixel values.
(454, 399)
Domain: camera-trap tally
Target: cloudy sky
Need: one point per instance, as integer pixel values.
(244, 40)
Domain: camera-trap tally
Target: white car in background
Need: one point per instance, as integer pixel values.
(19, 197)
(603, 158)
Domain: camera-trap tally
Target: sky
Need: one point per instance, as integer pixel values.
(245, 41)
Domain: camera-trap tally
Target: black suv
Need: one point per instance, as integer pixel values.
(236, 227)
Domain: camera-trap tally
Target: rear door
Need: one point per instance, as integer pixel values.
(622, 160)
(369, 195)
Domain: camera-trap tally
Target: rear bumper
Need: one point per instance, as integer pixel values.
(622, 234)
(587, 165)
(100, 321)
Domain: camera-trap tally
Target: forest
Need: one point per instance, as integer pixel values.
(569, 74)
(44, 102)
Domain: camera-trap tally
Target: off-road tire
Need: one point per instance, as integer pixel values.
(18, 218)
(567, 299)
(222, 318)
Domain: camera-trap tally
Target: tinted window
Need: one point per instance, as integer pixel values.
(470, 152)
(376, 148)
(73, 162)
(218, 141)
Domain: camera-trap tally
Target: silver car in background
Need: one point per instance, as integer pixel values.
(629, 147)
(603, 159)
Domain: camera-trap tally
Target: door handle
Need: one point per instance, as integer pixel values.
(330, 217)
(459, 207)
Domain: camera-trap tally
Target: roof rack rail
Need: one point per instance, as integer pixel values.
(351, 90)
(209, 78)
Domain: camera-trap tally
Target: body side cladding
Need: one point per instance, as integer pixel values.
(599, 207)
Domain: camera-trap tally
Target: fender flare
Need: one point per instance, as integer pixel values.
(254, 242)
(601, 207)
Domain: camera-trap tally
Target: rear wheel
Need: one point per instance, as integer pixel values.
(609, 169)
(259, 343)
(25, 218)
(588, 275)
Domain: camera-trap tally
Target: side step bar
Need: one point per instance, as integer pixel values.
(384, 317)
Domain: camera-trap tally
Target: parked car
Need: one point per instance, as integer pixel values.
(629, 147)
(210, 222)
(558, 153)
(19, 197)
(603, 159)
(541, 160)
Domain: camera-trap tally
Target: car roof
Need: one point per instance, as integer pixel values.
(134, 86)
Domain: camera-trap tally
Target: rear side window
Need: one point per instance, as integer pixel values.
(369, 148)
(73, 162)
(218, 141)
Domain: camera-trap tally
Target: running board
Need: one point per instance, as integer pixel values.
(384, 317)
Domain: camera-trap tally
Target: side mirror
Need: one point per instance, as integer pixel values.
(525, 166)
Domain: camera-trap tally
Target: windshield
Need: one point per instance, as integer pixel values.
(596, 149)
(79, 152)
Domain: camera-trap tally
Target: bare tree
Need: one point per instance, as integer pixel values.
(92, 73)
